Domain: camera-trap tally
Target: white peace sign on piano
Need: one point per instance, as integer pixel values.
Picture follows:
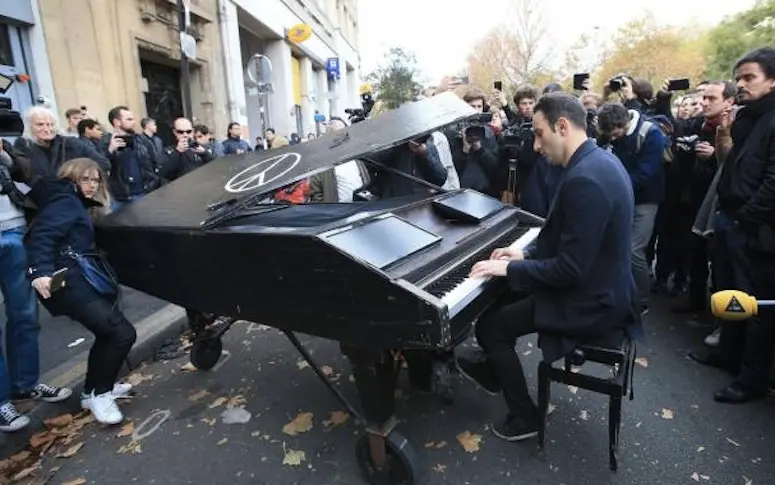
(262, 173)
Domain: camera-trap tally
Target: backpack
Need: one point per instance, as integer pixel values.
(665, 126)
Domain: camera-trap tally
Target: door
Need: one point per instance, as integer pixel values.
(11, 64)
(163, 101)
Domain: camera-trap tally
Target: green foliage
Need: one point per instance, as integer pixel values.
(396, 78)
(738, 34)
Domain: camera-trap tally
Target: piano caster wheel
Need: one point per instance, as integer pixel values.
(442, 383)
(206, 353)
(400, 467)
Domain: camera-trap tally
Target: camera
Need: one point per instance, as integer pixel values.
(356, 115)
(617, 82)
(11, 123)
(473, 128)
(687, 143)
(517, 135)
(192, 143)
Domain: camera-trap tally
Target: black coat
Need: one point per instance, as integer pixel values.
(62, 222)
(37, 161)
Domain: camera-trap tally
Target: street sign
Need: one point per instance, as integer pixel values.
(259, 70)
(188, 45)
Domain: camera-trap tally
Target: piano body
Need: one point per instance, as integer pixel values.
(384, 278)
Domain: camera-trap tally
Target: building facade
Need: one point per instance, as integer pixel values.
(318, 76)
(23, 55)
(127, 52)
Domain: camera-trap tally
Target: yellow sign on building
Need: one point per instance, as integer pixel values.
(296, 77)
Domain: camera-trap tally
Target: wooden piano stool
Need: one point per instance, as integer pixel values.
(622, 362)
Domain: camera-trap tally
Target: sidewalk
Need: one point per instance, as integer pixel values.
(64, 348)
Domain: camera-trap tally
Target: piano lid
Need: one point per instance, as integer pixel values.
(223, 182)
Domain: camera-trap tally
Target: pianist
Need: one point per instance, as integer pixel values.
(574, 282)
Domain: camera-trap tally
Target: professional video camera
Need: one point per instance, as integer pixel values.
(617, 82)
(11, 123)
(515, 136)
(473, 128)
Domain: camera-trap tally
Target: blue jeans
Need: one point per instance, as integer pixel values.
(642, 228)
(21, 308)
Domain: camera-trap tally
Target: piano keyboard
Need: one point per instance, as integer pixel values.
(457, 290)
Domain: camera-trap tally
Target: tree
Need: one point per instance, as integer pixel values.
(646, 50)
(395, 80)
(736, 35)
(513, 51)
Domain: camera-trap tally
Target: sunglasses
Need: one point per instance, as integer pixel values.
(184, 132)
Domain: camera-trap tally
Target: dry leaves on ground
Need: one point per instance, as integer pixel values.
(198, 396)
(642, 361)
(60, 433)
(300, 424)
(584, 414)
(126, 430)
(188, 368)
(667, 414)
(469, 442)
(337, 418)
(131, 448)
(327, 370)
(302, 364)
(438, 446)
(293, 457)
(138, 378)
(77, 481)
(438, 467)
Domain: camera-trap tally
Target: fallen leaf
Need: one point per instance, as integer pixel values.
(584, 414)
(430, 444)
(302, 364)
(132, 448)
(705, 477)
(294, 457)
(440, 445)
(59, 421)
(218, 402)
(642, 361)
(470, 442)
(667, 413)
(188, 368)
(695, 477)
(27, 472)
(70, 452)
(439, 468)
(126, 430)
(77, 481)
(551, 408)
(40, 440)
(300, 424)
(21, 456)
(700, 449)
(223, 441)
(337, 418)
(732, 442)
(238, 400)
(748, 481)
(209, 422)
(527, 352)
(573, 389)
(198, 396)
(137, 378)
(255, 433)
(327, 370)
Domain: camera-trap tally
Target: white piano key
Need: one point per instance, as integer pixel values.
(464, 293)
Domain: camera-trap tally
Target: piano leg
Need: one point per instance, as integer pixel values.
(385, 457)
(431, 372)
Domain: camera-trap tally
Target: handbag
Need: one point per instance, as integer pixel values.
(97, 272)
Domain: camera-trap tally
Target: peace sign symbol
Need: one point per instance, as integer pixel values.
(262, 173)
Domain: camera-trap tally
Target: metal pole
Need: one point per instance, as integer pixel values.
(185, 72)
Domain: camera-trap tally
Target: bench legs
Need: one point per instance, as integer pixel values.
(614, 422)
(544, 385)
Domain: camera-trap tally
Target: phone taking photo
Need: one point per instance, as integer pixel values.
(681, 84)
(579, 79)
(498, 85)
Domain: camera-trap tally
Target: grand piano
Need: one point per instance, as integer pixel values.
(387, 279)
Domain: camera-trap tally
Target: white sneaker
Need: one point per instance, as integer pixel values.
(10, 419)
(103, 407)
(120, 389)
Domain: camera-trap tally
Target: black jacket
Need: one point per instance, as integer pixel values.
(38, 161)
(177, 164)
(120, 178)
(746, 187)
(62, 222)
(428, 167)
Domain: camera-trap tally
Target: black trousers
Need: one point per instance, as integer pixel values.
(497, 332)
(737, 267)
(114, 336)
(673, 246)
(699, 272)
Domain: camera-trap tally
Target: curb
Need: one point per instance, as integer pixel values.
(152, 331)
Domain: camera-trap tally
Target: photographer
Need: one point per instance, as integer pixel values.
(474, 148)
(187, 155)
(134, 168)
(419, 158)
(638, 94)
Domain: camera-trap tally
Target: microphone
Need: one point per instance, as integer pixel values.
(735, 305)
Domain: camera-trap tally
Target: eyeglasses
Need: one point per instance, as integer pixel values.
(184, 132)
(93, 180)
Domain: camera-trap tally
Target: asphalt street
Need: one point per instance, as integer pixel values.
(62, 338)
(672, 433)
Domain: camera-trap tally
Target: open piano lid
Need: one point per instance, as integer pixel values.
(224, 183)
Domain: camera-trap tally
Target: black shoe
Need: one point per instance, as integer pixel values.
(515, 429)
(43, 392)
(480, 374)
(713, 360)
(738, 394)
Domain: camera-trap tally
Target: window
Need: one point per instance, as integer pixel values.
(6, 54)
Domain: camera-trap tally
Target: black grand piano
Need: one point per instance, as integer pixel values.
(386, 278)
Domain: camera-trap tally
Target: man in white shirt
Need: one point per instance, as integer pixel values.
(339, 183)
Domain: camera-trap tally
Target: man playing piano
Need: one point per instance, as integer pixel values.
(574, 283)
